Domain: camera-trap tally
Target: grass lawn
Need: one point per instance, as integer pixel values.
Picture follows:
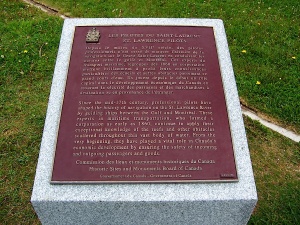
(28, 46)
(263, 38)
(276, 166)
(266, 30)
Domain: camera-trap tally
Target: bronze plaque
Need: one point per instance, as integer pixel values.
(144, 104)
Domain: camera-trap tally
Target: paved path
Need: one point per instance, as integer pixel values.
(287, 133)
(45, 8)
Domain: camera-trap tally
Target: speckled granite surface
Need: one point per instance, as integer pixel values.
(184, 203)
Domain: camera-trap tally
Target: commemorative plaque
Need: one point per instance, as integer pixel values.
(144, 104)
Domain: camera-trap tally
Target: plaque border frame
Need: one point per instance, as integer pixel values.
(137, 182)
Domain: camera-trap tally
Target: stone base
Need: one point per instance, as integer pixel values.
(180, 203)
(145, 212)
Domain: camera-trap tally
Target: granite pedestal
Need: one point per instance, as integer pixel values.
(146, 203)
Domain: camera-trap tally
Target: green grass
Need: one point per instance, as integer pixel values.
(268, 31)
(276, 165)
(28, 45)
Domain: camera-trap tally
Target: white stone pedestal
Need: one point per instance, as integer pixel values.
(170, 203)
